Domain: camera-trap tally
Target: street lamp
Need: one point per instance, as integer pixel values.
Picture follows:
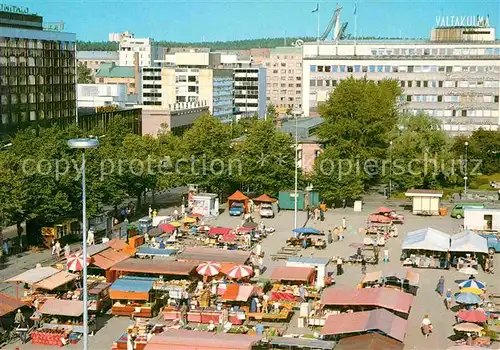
(6, 145)
(84, 144)
(390, 169)
(296, 170)
(466, 165)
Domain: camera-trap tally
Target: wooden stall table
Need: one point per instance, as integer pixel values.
(137, 292)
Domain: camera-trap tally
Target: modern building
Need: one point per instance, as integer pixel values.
(176, 118)
(99, 117)
(102, 95)
(190, 77)
(250, 92)
(456, 81)
(117, 37)
(284, 78)
(110, 73)
(37, 71)
(147, 50)
(94, 59)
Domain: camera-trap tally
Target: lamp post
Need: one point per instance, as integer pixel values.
(390, 169)
(466, 166)
(296, 170)
(84, 144)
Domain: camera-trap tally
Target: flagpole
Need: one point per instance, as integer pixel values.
(318, 30)
(355, 27)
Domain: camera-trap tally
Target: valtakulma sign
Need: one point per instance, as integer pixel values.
(462, 21)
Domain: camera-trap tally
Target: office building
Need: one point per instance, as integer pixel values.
(102, 95)
(37, 72)
(250, 92)
(190, 77)
(94, 59)
(110, 73)
(284, 78)
(457, 82)
(147, 50)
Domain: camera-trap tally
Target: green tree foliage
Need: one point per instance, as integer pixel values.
(267, 159)
(84, 74)
(483, 150)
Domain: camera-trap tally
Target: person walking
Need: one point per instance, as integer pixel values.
(67, 251)
(386, 255)
(278, 205)
(90, 237)
(330, 237)
(53, 247)
(440, 286)
(344, 223)
(376, 251)
(340, 270)
(448, 299)
(344, 203)
(363, 266)
(57, 249)
(308, 210)
(176, 214)
(426, 326)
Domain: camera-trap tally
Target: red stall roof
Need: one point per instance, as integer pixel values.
(265, 199)
(219, 231)
(355, 322)
(371, 341)
(59, 307)
(197, 340)
(157, 267)
(237, 196)
(9, 304)
(387, 298)
(382, 210)
(292, 273)
(202, 254)
(107, 258)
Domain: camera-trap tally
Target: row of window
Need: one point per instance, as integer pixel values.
(463, 51)
(151, 86)
(36, 44)
(283, 64)
(402, 69)
(151, 94)
(283, 85)
(419, 83)
(289, 92)
(450, 98)
(17, 117)
(34, 97)
(457, 113)
(290, 71)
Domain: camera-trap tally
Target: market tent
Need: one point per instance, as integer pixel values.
(131, 289)
(158, 267)
(303, 343)
(365, 321)
(371, 277)
(370, 341)
(97, 248)
(292, 273)
(264, 199)
(149, 251)
(195, 340)
(379, 219)
(427, 239)
(56, 280)
(107, 258)
(117, 244)
(215, 231)
(402, 274)
(59, 307)
(470, 242)
(238, 196)
(34, 275)
(9, 304)
(202, 254)
(387, 298)
(382, 210)
(237, 292)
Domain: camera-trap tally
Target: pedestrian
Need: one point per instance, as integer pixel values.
(57, 248)
(308, 211)
(440, 286)
(344, 223)
(184, 315)
(36, 317)
(183, 210)
(448, 299)
(90, 237)
(344, 203)
(278, 205)
(53, 247)
(176, 214)
(339, 266)
(363, 266)
(302, 292)
(67, 251)
(426, 326)
(358, 251)
(330, 237)
(386, 255)
(376, 251)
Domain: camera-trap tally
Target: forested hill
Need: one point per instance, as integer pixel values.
(214, 45)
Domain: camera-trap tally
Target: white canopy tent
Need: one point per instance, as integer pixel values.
(427, 239)
(468, 241)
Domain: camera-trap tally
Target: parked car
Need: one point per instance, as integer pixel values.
(493, 243)
(266, 211)
(458, 210)
(236, 209)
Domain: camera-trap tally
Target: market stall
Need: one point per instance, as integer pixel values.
(426, 248)
(102, 261)
(369, 341)
(203, 254)
(289, 278)
(98, 297)
(8, 306)
(238, 197)
(60, 319)
(169, 269)
(319, 264)
(380, 321)
(468, 249)
(132, 296)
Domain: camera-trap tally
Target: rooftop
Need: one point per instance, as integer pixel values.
(97, 55)
(305, 122)
(110, 70)
(286, 49)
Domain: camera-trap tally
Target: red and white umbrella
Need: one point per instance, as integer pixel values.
(240, 271)
(208, 269)
(75, 262)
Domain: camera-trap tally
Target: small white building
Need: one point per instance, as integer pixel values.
(101, 95)
(481, 219)
(425, 202)
(206, 204)
(319, 264)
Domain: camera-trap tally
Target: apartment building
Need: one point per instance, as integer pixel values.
(284, 78)
(250, 92)
(37, 72)
(94, 59)
(456, 81)
(147, 50)
(103, 95)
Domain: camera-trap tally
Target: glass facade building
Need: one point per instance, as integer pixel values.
(37, 73)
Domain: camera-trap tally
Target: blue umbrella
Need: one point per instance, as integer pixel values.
(467, 298)
(307, 230)
(472, 284)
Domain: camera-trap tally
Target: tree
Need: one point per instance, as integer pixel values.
(84, 74)
(483, 150)
(267, 158)
(271, 112)
(420, 157)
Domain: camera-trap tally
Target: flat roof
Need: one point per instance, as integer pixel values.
(201, 254)
(59, 307)
(423, 193)
(56, 280)
(35, 275)
(9, 304)
(20, 33)
(159, 267)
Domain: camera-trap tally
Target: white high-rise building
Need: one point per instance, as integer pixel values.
(454, 77)
(147, 50)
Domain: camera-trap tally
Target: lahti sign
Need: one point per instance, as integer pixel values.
(462, 21)
(14, 9)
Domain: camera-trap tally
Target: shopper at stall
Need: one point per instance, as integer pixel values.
(57, 249)
(363, 266)
(67, 251)
(340, 270)
(426, 326)
(448, 298)
(386, 255)
(344, 223)
(440, 286)
(302, 292)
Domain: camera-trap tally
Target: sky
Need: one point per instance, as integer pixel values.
(223, 20)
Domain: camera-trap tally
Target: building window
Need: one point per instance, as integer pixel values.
(319, 83)
(320, 69)
(496, 99)
(418, 83)
(312, 82)
(357, 69)
(371, 69)
(328, 69)
(408, 98)
(402, 83)
(410, 83)
(335, 69)
(313, 69)
(342, 69)
(350, 69)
